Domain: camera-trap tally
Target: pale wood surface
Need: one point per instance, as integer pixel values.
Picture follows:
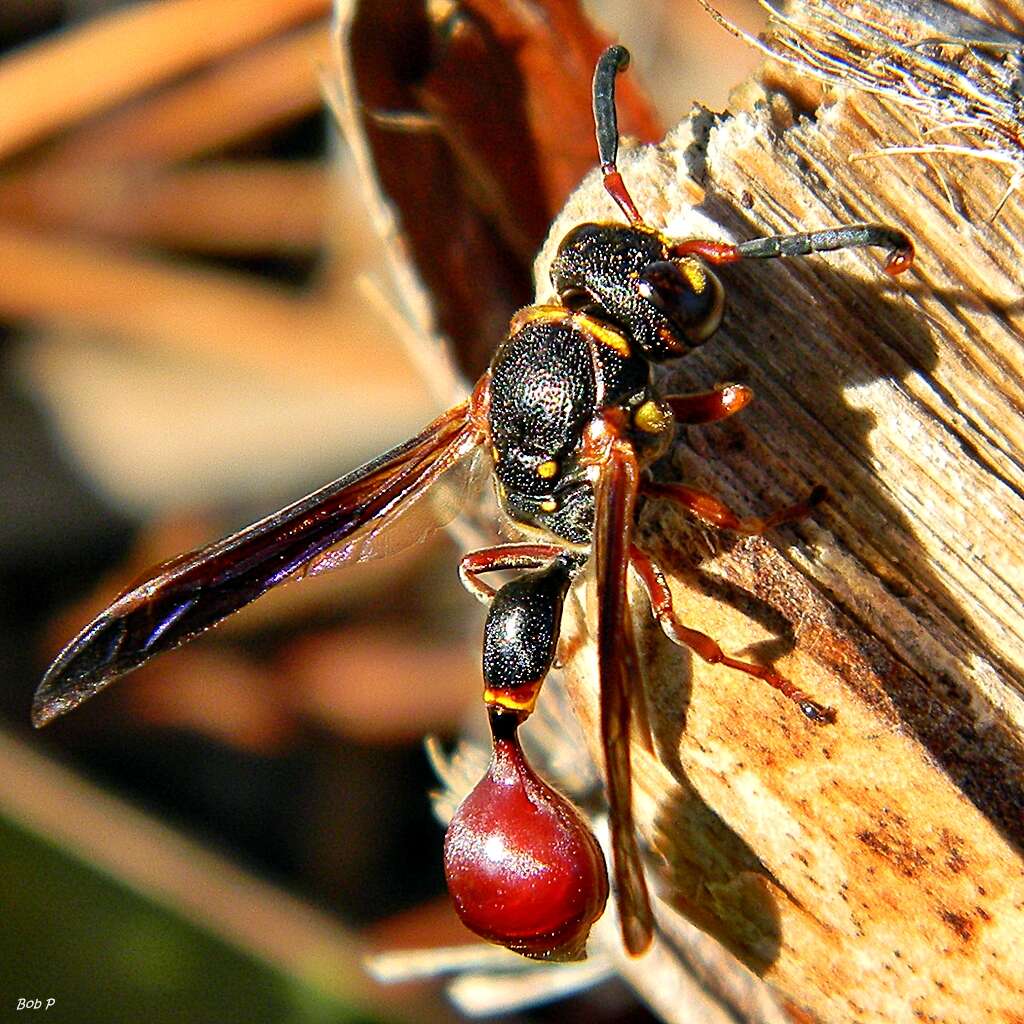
(870, 870)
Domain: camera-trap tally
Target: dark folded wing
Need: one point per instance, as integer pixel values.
(616, 492)
(179, 599)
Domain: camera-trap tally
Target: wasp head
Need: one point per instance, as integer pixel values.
(627, 276)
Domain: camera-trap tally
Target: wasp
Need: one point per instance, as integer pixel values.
(569, 420)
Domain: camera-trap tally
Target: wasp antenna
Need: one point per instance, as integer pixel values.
(609, 64)
(901, 249)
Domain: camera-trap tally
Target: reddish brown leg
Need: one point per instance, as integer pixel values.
(716, 513)
(502, 556)
(705, 647)
(709, 406)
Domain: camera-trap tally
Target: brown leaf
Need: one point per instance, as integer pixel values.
(479, 125)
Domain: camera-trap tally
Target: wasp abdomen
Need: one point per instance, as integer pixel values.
(521, 864)
(520, 635)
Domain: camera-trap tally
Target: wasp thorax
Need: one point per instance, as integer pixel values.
(522, 866)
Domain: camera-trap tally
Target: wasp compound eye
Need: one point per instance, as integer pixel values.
(687, 294)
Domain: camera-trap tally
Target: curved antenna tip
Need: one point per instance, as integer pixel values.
(617, 56)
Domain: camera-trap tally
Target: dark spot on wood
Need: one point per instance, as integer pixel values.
(961, 925)
(899, 852)
(955, 861)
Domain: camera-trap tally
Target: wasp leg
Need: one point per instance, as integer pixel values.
(709, 406)
(704, 646)
(715, 512)
(502, 556)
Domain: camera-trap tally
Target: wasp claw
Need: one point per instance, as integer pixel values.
(817, 712)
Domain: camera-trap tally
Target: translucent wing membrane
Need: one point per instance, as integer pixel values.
(348, 519)
(413, 518)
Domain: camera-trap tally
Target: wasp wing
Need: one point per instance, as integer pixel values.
(616, 492)
(432, 506)
(183, 597)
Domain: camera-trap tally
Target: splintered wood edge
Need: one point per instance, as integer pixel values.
(870, 869)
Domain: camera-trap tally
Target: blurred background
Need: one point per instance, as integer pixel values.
(197, 327)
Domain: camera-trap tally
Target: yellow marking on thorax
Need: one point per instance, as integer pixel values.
(538, 314)
(602, 334)
(550, 314)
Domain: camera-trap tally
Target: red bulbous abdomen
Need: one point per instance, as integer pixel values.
(523, 868)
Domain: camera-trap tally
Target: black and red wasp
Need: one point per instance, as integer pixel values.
(569, 417)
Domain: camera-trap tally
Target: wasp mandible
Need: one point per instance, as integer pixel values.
(569, 418)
